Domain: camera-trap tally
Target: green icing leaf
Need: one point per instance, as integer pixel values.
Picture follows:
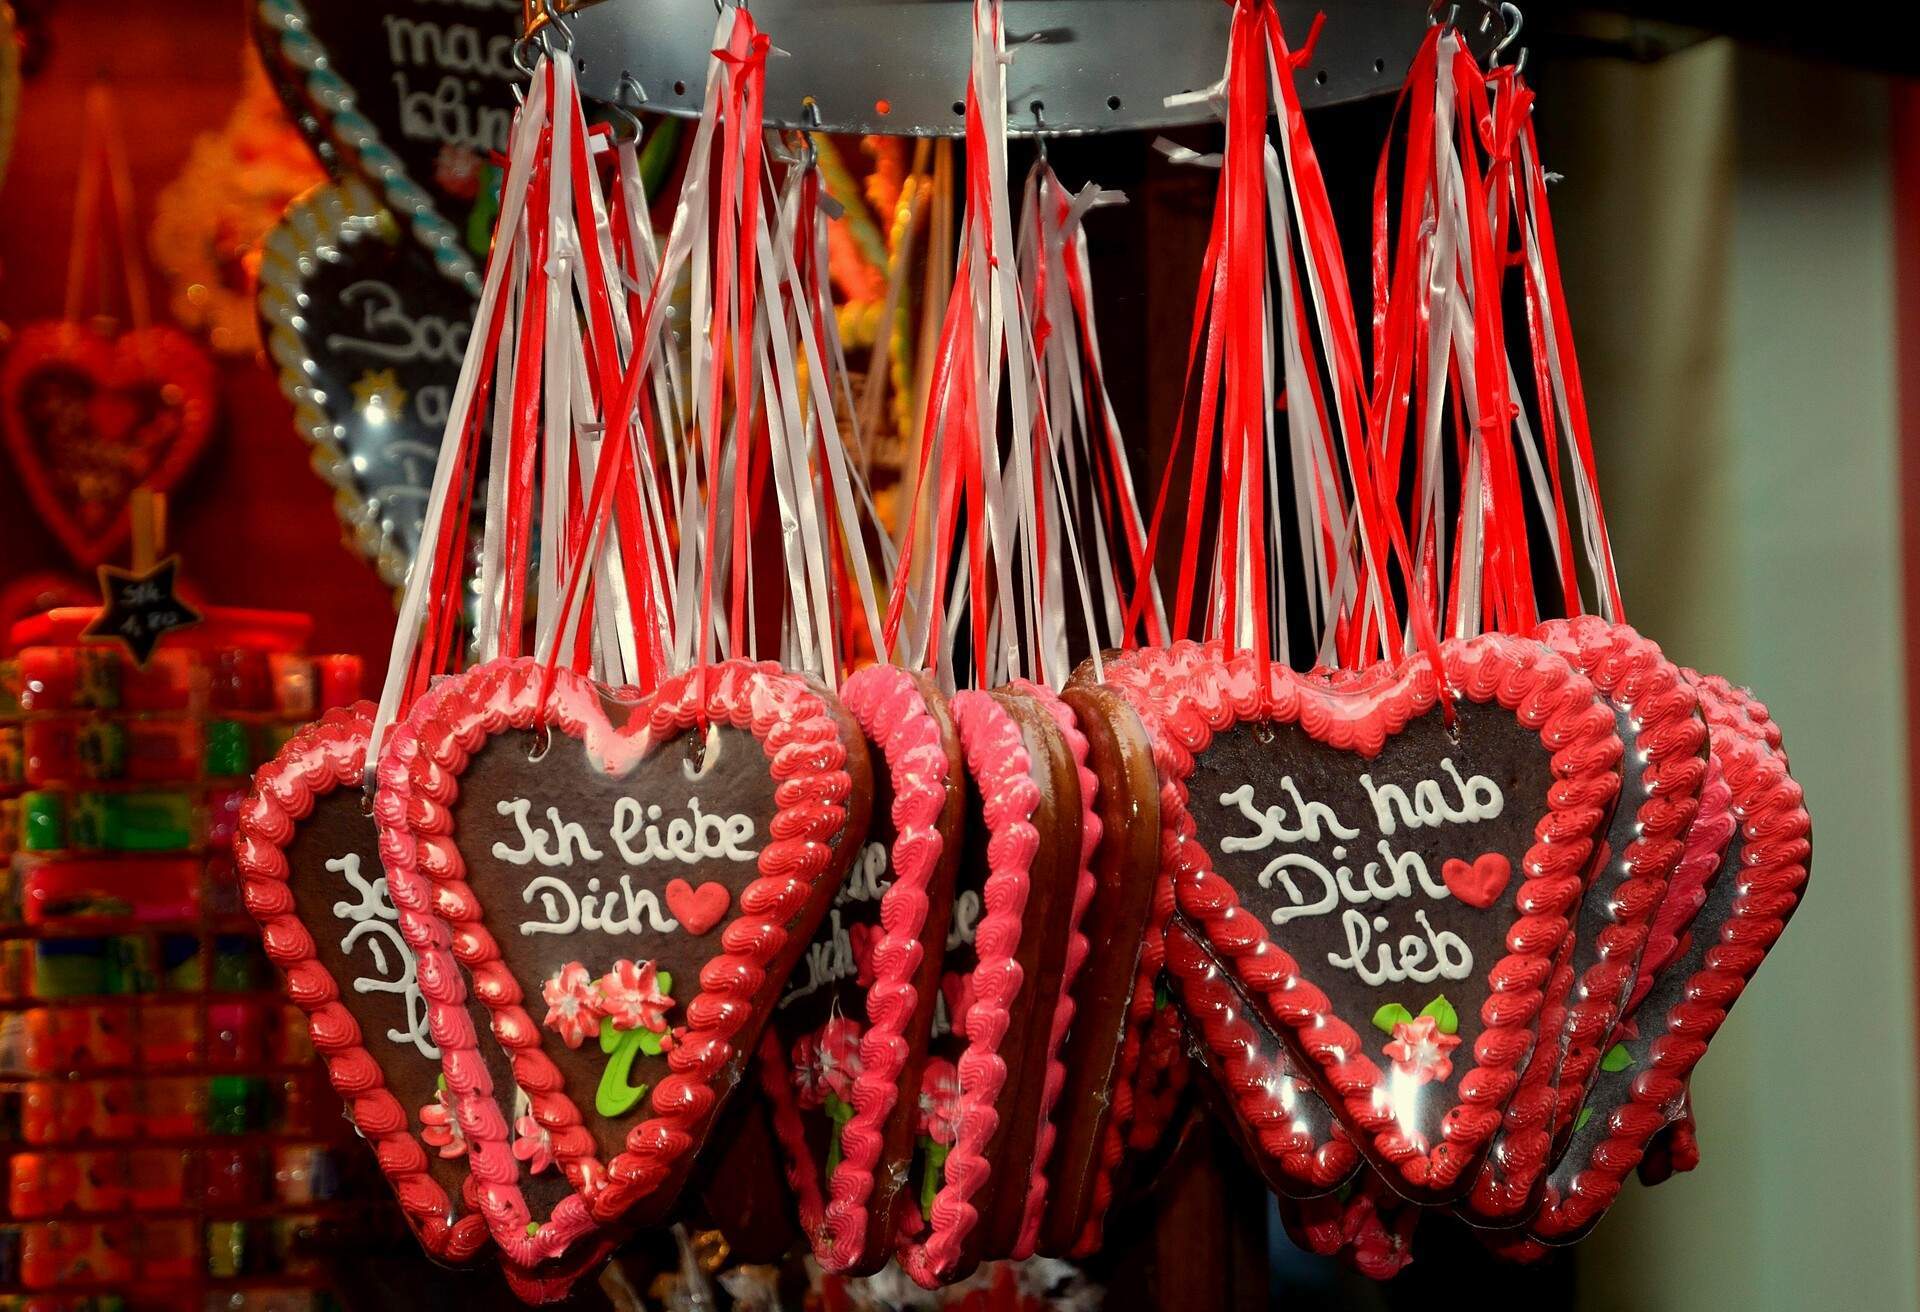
(615, 1096)
(1617, 1059)
(1580, 1122)
(936, 1174)
(650, 1042)
(1445, 1018)
(1390, 1015)
(1160, 998)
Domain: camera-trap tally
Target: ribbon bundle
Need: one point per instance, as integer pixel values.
(710, 824)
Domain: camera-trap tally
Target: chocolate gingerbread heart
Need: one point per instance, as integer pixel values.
(1641, 1088)
(993, 1027)
(1110, 1002)
(416, 97)
(309, 861)
(531, 843)
(1304, 818)
(367, 339)
(1269, 1104)
(90, 418)
(843, 1057)
(739, 1187)
(1657, 717)
(1079, 878)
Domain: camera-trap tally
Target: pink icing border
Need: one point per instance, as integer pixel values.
(441, 917)
(892, 711)
(1077, 949)
(999, 766)
(323, 758)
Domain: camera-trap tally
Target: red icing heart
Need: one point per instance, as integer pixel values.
(90, 418)
(697, 909)
(1480, 884)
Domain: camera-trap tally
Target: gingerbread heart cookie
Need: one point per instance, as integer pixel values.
(1305, 834)
(531, 842)
(88, 418)
(843, 1058)
(1007, 944)
(1761, 877)
(416, 96)
(1111, 1003)
(1269, 1103)
(1665, 761)
(309, 861)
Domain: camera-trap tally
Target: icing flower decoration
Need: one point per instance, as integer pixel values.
(456, 169)
(864, 939)
(1419, 1049)
(532, 1144)
(940, 1101)
(839, 1058)
(809, 1081)
(1380, 1252)
(957, 989)
(631, 997)
(634, 1000)
(573, 1010)
(440, 1128)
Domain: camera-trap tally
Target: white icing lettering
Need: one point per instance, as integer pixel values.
(1320, 882)
(703, 837)
(1428, 807)
(829, 960)
(1452, 958)
(374, 921)
(566, 910)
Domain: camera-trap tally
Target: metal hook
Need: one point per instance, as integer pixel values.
(552, 19)
(557, 20)
(1040, 131)
(630, 120)
(1511, 18)
(809, 124)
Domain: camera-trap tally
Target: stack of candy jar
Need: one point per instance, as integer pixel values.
(162, 1124)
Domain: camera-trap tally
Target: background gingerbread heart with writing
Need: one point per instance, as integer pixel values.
(627, 887)
(1388, 878)
(309, 860)
(416, 96)
(843, 1059)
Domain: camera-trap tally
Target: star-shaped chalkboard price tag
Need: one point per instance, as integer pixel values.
(138, 608)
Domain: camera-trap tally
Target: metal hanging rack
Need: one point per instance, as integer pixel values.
(899, 67)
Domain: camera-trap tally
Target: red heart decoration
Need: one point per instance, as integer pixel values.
(1304, 825)
(309, 862)
(1479, 884)
(90, 418)
(528, 843)
(697, 910)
